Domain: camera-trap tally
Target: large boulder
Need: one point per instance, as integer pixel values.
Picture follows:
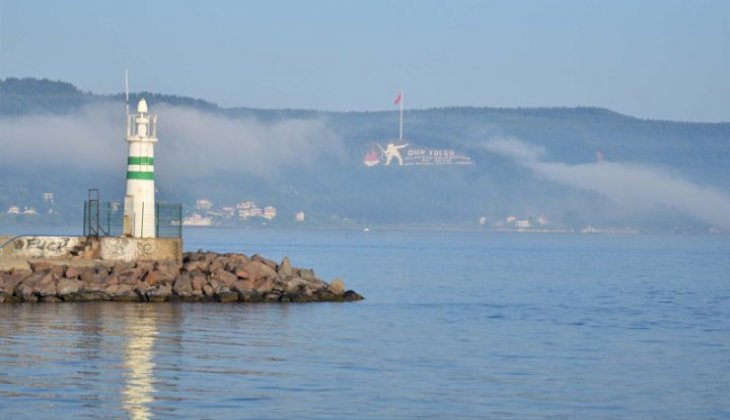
(352, 296)
(196, 265)
(183, 286)
(240, 258)
(184, 290)
(306, 274)
(121, 266)
(225, 295)
(10, 282)
(57, 268)
(159, 293)
(169, 268)
(272, 296)
(295, 285)
(122, 293)
(263, 285)
(270, 263)
(130, 276)
(73, 272)
(285, 270)
(242, 286)
(92, 291)
(113, 278)
(236, 260)
(256, 270)
(198, 281)
(35, 285)
(89, 275)
(337, 286)
(219, 263)
(155, 277)
(145, 266)
(208, 290)
(225, 277)
(317, 284)
(69, 288)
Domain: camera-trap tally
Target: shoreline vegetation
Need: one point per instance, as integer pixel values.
(201, 277)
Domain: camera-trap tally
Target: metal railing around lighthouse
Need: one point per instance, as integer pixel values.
(106, 218)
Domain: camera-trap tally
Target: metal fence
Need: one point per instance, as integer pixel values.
(106, 218)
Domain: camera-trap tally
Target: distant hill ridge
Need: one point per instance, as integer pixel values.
(494, 187)
(26, 95)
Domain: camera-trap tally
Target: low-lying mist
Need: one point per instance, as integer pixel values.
(634, 188)
(191, 143)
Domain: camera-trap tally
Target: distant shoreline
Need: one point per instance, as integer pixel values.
(52, 229)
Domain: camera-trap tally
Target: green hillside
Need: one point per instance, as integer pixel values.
(339, 189)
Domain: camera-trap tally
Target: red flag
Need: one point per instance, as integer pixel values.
(398, 98)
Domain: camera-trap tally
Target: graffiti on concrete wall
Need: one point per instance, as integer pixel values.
(133, 249)
(145, 249)
(44, 246)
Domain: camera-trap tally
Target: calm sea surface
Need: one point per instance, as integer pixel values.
(454, 325)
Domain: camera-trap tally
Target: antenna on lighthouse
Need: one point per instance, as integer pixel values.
(126, 90)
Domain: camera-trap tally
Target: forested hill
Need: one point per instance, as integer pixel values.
(312, 161)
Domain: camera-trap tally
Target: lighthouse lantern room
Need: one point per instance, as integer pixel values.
(139, 201)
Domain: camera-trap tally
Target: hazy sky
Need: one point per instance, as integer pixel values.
(652, 59)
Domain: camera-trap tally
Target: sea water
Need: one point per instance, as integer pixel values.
(455, 324)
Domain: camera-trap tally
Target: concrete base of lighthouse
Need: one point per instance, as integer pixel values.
(83, 247)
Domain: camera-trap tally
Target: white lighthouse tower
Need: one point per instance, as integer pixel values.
(139, 202)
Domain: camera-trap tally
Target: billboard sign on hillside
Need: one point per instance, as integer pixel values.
(406, 154)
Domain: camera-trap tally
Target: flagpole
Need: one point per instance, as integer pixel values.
(401, 115)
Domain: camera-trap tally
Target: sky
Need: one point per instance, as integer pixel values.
(659, 59)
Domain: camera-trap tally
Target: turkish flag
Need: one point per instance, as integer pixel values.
(398, 98)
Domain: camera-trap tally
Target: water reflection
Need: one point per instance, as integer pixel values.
(141, 332)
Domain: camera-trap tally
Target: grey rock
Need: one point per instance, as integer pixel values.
(130, 276)
(89, 275)
(271, 297)
(285, 270)
(225, 295)
(271, 264)
(352, 296)
(69, 286)
(121, 266)
(159, 293)
(307, 274)
(121, 293)
(337, 286)
(219, 263)
(197, 265)
(183, 286)
(256, 270)
(225, 277)
(11, 282)
(90, 296)
(73, 272)
(198, 281)
(295, 285)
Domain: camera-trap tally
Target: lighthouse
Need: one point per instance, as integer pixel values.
(139, 201)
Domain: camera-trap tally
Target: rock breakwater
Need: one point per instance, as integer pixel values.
(200, 277)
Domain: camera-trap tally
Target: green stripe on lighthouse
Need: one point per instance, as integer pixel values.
(140, 160)
(140, 175)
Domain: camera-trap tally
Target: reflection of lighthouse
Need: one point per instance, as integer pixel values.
(139, 202)
(139, 381)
